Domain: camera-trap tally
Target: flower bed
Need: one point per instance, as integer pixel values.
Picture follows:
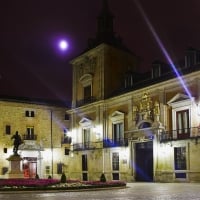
(53, 184)
(27, 182)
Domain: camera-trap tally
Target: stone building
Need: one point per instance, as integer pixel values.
(132, 126)
(126, 125)
(43, 129)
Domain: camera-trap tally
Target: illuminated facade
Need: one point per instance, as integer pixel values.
(131, 126)
(149, 131)
(42, 127)
(123, 124)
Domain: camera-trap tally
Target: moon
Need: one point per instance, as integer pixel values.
(63, 45)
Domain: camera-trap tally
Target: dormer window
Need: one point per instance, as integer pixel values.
(128, 79)
(156, 69)
(156, 72)
(192, 57)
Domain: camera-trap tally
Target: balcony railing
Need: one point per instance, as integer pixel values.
(180, 134)
(108, 143)
(87, 146)
(85, 101)
(29, 137)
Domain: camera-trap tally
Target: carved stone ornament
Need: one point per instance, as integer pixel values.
(146, 109)
(87, 66)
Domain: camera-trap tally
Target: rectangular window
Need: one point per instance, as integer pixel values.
(156, 71)
(115, 161)
(84, 163)
(29, 113)
(5, 150)
(59, 168)
(86, 137)
(47, 169)
(182, 124)
(30, 133)
(115, 176)
(8, 129)
(66, 117)
(67, 151)
(32, 114)
(118, 132)
(87, 92)
(67, 140)
(180, 158)
(85, 176)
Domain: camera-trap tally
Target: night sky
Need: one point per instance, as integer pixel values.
(31, 64)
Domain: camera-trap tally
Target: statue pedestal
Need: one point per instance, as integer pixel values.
(15, 171)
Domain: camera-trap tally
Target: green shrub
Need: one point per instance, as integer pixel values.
(49, 177)
(103, 178)
(63, 178)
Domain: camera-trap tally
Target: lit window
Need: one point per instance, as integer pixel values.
(180, 158)
(115, 161)
(86, 137)
(118, 132)
(180, 162)
(182, 123)
(30, 133)
(47, 169)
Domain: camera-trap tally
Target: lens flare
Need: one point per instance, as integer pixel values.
(163, 49)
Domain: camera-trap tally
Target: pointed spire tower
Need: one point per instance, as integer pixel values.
(105, 23)
(105, 31)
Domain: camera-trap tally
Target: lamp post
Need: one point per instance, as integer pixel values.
(51, 132)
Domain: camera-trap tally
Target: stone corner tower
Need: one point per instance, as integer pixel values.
(99, 71)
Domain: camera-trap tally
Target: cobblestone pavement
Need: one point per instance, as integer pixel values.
(135, 191)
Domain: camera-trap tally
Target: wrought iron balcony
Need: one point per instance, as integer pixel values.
(85, 101)
(180, 134)
(108, 143)
(29, 137)
(87, 146)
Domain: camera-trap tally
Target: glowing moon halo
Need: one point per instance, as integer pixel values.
(63, 45)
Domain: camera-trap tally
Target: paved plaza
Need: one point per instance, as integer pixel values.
(137, 191)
